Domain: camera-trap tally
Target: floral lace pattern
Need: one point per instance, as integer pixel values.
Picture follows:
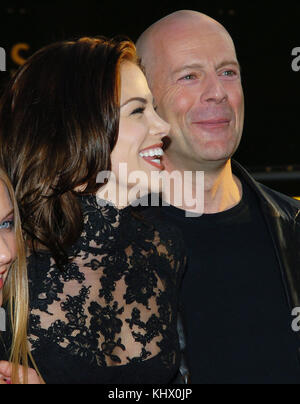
(116, 302)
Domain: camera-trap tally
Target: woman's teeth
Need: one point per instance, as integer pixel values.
(158, 152)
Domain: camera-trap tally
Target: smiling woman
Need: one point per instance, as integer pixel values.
(139, 144)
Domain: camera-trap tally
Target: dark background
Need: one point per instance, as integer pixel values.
(265, 33)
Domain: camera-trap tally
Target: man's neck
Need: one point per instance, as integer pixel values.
(221, 189)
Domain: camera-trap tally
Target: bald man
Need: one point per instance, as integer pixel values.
(243, 275)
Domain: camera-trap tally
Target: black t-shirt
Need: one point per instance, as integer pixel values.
(236, 314)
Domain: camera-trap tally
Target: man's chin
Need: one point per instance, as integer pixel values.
(218, 153)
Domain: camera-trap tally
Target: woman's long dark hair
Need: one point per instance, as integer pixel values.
(59, 121)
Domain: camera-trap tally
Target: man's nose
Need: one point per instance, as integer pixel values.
(5, 252)
(213, 90)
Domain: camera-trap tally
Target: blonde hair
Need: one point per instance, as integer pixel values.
(15, 295)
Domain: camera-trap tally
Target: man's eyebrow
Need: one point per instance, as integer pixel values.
(188, 67)
(201, 66)
(139, 99)
(229, 63)
(7, 215)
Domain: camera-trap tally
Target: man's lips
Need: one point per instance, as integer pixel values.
(213, 123)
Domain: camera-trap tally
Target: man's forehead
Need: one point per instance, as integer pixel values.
(194, 49)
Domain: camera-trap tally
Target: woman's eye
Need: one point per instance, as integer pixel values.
(139, 110)
(7, 225)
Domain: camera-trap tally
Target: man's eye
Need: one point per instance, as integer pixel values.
(139, 110)
(188, 77)
(229, 73)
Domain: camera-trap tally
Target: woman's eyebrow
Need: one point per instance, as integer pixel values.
(140, 99)
(7, 215)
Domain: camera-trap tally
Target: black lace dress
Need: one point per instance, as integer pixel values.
(110, 316)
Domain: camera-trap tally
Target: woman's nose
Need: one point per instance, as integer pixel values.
(5, 252)
(160, 126)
